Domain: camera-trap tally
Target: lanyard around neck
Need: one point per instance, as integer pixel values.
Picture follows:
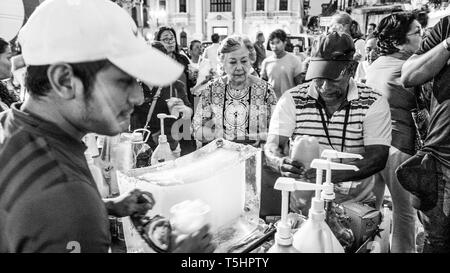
(325, 127)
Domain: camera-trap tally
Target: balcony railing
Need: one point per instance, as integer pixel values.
(271, 14)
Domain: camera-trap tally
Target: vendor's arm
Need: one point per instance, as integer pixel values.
(377, 140)
(134, 202)
(428, 60)
(282, 126)
(67, 217)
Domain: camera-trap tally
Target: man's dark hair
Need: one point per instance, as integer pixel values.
(191, 46)
(280, 34)
(215, 38)
(38, 84)
(374, 25)
(392, 31)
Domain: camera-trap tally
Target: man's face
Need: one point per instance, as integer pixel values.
(296, 50)
(371, 44)
(332, 91)
(261, 39)
(277, 46)
(370, 29)
(5, 64)
(113, 97)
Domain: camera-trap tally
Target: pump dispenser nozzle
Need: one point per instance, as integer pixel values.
(163, 137)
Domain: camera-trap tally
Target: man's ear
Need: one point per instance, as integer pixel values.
(63, 81)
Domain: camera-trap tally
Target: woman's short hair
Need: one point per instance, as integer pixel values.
(392, 31)
(231, 44)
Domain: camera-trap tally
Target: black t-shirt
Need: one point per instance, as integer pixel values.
(438, 139)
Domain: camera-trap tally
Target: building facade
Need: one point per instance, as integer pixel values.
(199, 19)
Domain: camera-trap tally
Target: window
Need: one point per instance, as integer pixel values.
(183, 6)
(283, 5)
(220, 5)
(183, 39)
(260, 5)
(162, 4)
(145, 15)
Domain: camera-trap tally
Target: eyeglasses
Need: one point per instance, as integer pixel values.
(168, 40)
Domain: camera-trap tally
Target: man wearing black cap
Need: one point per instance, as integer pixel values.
(342, 114)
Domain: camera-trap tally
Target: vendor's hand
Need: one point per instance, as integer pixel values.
(134, 202)
(300, 201)
(290, 168)
(198, 242)
(357, 57)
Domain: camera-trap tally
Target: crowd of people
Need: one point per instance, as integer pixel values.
(381, 94)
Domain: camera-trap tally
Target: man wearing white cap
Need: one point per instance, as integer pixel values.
(83, 59)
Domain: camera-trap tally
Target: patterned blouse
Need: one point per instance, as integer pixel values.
(235, 115)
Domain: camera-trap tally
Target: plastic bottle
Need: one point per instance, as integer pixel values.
(305, 149)
(122, 153)
(315, 236)
(142, 152)
(283, 236)
(162, 152)
(102, 187)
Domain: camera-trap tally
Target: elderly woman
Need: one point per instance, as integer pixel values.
(236, 106)
(399, 36)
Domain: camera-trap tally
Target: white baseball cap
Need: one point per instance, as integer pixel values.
(74, 31)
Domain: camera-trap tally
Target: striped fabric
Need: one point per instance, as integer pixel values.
(309, 122)
(48, 199)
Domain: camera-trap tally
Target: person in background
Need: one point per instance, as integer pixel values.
(237, 106)
(282, 70)
(313, 26)
(371, 56)
(343, 115)
(49, 201)
(252, 55)
(195, 51)
(298, 52)
(358, 40)
(342, 21)
(158, 97)
(260, 51)
(399, 36)
(7, 96)
(370, 29)
(211, 52)
(167, 36)
(431, 191)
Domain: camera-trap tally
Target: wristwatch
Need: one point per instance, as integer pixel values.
(446, 45)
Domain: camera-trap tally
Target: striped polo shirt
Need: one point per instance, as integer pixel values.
(49, 201)
(369, 121)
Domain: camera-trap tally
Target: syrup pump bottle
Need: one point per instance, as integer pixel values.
(162, 153)
(315, 236)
